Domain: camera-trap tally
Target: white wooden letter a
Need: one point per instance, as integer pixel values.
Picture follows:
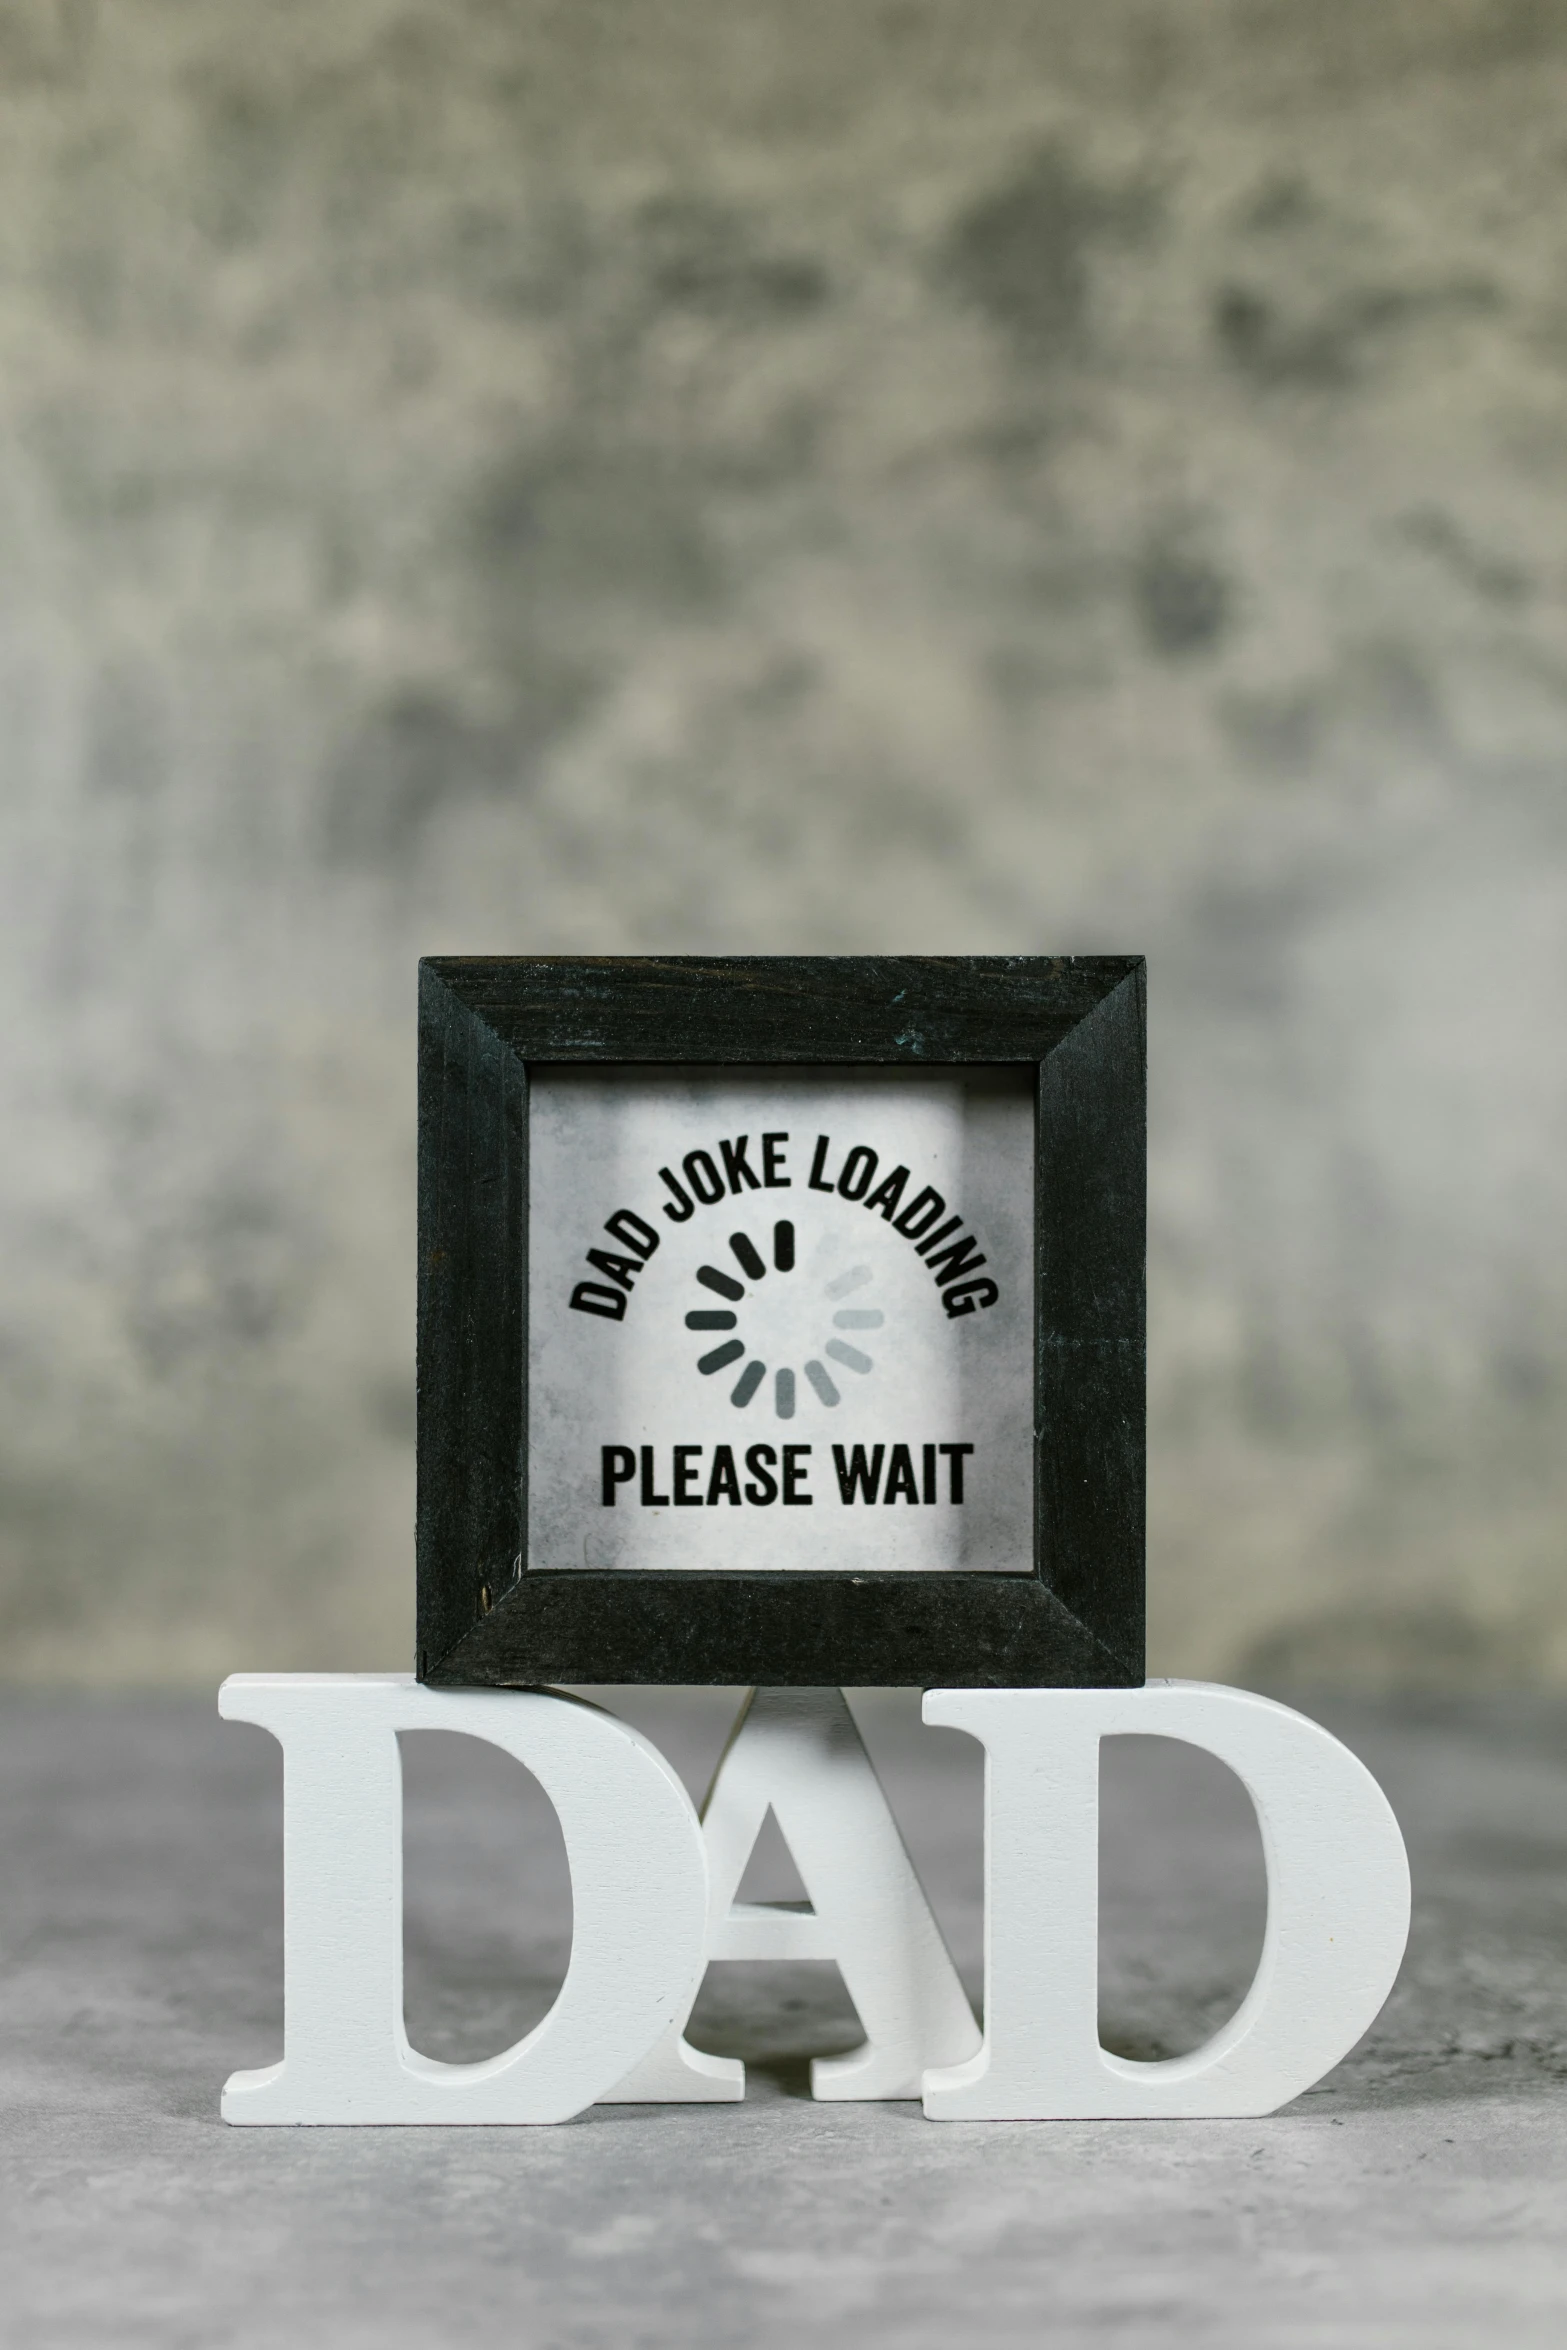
(797, 1751)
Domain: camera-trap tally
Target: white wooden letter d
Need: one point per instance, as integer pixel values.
(1338, 1905)
(638, 1886)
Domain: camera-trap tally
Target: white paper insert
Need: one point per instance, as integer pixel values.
(803, 1319)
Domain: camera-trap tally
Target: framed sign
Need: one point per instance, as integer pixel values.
(781, 1320)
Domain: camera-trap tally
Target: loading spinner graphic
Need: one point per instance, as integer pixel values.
(837, 1348)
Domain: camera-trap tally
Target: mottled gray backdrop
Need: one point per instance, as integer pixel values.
(769, 474)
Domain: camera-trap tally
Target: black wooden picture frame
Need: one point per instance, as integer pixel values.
(485, 1616)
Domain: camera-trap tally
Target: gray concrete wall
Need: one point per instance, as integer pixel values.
(701, 474)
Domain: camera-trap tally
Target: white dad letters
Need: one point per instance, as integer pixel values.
(653, 1899)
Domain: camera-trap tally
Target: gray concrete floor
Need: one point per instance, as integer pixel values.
(1416, 2197)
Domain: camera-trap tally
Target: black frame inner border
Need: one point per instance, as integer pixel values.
(485, 1617)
